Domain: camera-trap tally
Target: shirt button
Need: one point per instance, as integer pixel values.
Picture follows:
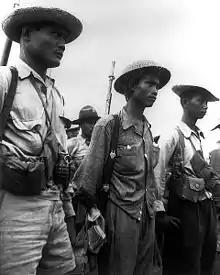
(197, 186)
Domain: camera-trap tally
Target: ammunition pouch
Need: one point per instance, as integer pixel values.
(96, 235)
(23, 178)
(187, 187)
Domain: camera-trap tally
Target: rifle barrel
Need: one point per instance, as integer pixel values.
(109, 95)
(6, 52)
(8, 44)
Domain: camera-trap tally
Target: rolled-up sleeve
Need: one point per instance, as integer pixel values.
(90, 172)
(167, 147)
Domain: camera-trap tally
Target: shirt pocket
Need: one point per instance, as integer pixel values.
(129, 158)
(27, 125)
(27, 106)
(127, 150)
(27, 111)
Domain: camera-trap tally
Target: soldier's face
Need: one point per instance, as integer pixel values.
(47, 44)
(87, 128)
(197, 107)
(145, 92)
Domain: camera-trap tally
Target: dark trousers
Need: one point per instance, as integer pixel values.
(192, 249)
(130, 248)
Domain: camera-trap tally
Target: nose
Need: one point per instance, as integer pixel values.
(154, 90)
(205, 105)
(61, 46)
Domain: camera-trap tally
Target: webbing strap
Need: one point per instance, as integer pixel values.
(113, 150)
(4, 115)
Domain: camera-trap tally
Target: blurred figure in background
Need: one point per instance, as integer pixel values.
(78, 147)
(72, 132)
(215, 163)
(215, 158)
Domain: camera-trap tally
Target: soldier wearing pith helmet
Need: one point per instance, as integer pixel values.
(189, 184)
(33, 233)
(132, 193)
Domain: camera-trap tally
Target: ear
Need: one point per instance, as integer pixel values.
(184, 102)
(134, 87)
(25, 34)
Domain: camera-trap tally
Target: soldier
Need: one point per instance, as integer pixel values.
(132, 193)
(79, 145)
(33, 148)
(187, 182)
(78, 148)
(72, 132)
(215, 158)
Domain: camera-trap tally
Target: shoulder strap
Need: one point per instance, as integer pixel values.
(113, 150)
(41, 99)
(178, 155)
(115, 134)
(8, 101)
(181, 142)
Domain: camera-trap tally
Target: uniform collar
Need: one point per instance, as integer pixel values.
(82, 138)
(24, 71)
(128, 122)
(187, 131)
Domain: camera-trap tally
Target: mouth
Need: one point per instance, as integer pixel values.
(58, 54)
(152, 98)
(203, 111)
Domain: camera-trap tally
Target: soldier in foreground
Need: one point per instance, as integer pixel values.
(33, 146)
(188, 183)
(132, 194)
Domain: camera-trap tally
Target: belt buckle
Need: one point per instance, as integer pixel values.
(195, 186)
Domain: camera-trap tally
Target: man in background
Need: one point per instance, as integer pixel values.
(72, 132)
(215, 157)
(78, 146)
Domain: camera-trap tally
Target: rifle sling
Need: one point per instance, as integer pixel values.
(108, 169)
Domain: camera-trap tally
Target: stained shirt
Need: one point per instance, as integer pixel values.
(132, 181)
(193, 142)
(26, 129)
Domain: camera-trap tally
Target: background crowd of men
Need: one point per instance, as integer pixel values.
(107, 200)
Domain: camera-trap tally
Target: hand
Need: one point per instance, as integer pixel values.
(164, 223)
(85, 198)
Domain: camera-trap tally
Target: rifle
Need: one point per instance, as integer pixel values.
(109, 95)
(7, 46)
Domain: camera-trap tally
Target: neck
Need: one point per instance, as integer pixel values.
(189, 121)
(134, 110)
(37, 66)
(88, 138)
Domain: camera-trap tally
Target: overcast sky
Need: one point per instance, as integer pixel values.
(182, 35)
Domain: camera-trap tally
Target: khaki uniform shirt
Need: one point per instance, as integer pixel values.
(193, 142)
(27, 127)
